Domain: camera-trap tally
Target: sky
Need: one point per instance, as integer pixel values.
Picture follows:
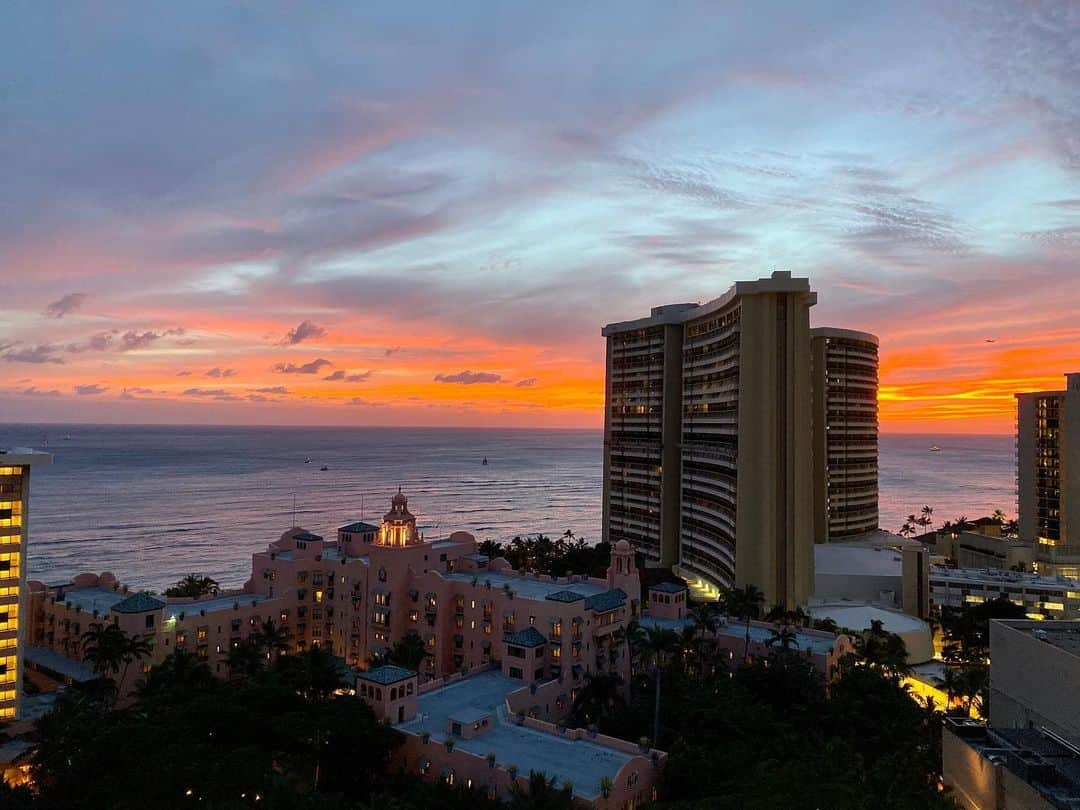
(422, 214)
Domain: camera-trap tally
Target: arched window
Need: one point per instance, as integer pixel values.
(382, 575)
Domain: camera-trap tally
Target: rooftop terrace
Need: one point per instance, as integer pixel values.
(804, 642)
(1063, 634)
(983, 576)
(215, 603)
(528, 587)
(582, 762)
(1050, 764)
(93, 598)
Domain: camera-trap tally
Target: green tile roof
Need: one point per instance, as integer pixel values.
(668, 587)
(564, 596)
(386, 674)
(358, 528)
(608, 600)
(529, 637)
(138, 603)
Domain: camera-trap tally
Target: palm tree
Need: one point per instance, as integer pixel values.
(827, 624)
(104, 647)
(656, 647)
(312, 674)
(999, 517)
(491, 548)
(181, 673)
(704, 622)
(409, 653)
(783, 637)
(272, 639)
(927, 518)
(632, 635)
(541, 794)
(110, 651)
(194, 585)
(246, 658)
(135, 649)
(600, 697)
(745, 603)
(883, 651)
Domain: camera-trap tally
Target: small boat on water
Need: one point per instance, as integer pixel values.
(484, 462)
(67, 437)
(323, 468)
(935, 449)
(307, 461)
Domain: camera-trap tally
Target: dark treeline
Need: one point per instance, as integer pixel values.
(565, 555)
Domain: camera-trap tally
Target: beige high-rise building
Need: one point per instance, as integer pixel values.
(642, 420)
(713, 402)
(845, 384)
(14, 531)
(1048, 476)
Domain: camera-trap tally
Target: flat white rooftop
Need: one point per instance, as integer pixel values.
(528, 587)
(582, 762)
(859, 615)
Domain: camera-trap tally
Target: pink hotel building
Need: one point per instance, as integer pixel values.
(507, 650)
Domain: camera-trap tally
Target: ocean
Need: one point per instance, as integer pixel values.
(154, 503)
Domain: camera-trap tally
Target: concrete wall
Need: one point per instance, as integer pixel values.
(774, 535)
(915, 598)
(1033, 682)
(971, 778)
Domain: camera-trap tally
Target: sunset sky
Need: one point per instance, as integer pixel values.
(329, 214)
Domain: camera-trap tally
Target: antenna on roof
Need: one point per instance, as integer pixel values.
(361, 506)
(294, 510)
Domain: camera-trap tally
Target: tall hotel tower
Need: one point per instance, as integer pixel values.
(845, 383)
(708, 438)
(14, 531)
(1048, 476)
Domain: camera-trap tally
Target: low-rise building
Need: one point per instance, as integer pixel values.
(988, 768)
(488, 731)
(1028, 754)
(1042, 597)
(1034, 673)
(985, 548)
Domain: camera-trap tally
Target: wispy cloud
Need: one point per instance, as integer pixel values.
(218, 372)
(314, 367)
(306, 330)
(90, 389)
(65, 305)
(41, 353)
(469, 377)
(343, 376)
(40, 392)
(528, 382)
(220, 394)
